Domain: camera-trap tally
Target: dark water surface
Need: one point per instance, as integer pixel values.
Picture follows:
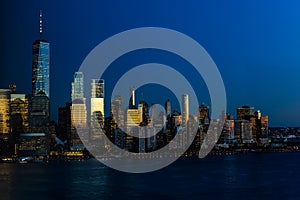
(250, 176)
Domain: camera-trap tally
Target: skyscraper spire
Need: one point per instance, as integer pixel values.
(41, 24)
(41, 64)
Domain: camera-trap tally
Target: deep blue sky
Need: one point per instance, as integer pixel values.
(255, 44)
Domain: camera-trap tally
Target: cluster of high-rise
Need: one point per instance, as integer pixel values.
(73, 117)
(25, 126)
(26, 129)
(249, 128)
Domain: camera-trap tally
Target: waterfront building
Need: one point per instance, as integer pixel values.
(64, 123)
(5, 147)
(19, 113)
(260, 127)
(168, 107)
(39, 111)
(118, 116)
(244, 113)
(78, 112)
(185, 109)
(203, 114)
(264, 129)
(19, 118)
(227, 135)
(243, 131)
(4, 111)
(97, 98)
(117, 110)
(34, 145)
(78, 108)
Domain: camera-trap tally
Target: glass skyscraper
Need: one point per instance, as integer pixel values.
(78, 112)
(78, 109)
(41, 64)
(185, 109)
(97, 96)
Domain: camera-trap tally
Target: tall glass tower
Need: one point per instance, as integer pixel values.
(78, 108)
(97, 96)
(185, 108)
(41, 64)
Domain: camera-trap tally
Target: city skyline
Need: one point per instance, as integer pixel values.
(149, 99)
(252, 77)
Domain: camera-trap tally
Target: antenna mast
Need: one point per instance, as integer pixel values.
(41, 24)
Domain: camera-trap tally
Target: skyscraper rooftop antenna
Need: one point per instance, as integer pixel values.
(41, 24)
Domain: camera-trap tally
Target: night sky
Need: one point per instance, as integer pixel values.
(255, 44)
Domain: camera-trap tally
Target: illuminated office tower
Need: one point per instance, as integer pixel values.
(245, 112)
(19, 113)
(6, 149)
(78, 112)
(134, 116)
(264, 126)
(97, 100)
(4, 111)
(203, 114)
(243, 131)
(41, 64)
(260, 127)
(168, 107)
(153, 114)
(117, 110)
(78, 108)
(185, 109)
(227, 135)
(118, 116)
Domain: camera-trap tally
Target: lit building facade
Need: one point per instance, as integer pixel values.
(117, 110)
(228, 131)
(97, 96)
(168, 107)
(35, 145)
(78, 108)
(78, 112)
(19, 113)
(185, 109)
(134, 116)
(243, 131)
(264, 129)
(245, 112)
(4, 111)
(203, 114)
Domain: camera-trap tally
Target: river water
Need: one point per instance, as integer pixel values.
(246, 176)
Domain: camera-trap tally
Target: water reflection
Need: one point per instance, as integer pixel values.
(225, 177)
(6, 178)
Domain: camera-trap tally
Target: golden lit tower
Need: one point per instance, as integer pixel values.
(78, 108)
(185, 108)
(4, 111)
